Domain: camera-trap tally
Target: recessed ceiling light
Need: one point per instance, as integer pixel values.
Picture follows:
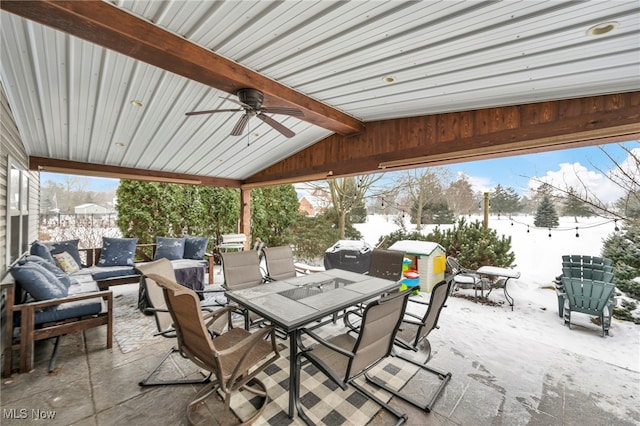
(389, 79)
(119, 144)
(138, 104)
(602, 29)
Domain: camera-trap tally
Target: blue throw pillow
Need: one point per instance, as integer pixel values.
(38, 282)
(195, 247)
(41, 250)
(169, 248)
(59, 273)
(117, 251)
(70, 246)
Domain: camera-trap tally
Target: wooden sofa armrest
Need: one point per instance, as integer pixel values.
(106, 294)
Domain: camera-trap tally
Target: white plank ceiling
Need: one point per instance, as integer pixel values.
(72, 99)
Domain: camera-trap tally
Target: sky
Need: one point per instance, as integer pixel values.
(562, 167)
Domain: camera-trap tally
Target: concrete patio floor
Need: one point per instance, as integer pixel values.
(522, 382)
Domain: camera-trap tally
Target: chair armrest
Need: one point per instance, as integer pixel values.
(321, 341)
(245, 347)
(53, 302)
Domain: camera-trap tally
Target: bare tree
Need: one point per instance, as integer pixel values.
(346, 193)
(423, 185)
(625, 175)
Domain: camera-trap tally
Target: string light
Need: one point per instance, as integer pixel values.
(615, 223)
(577, 234)
(549, 232)
(527, 229)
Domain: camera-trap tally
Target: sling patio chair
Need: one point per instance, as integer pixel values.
(164, 323)
(415, 329)
(241, 271)
(386, 264)
(279, 261)
(235, 357)
(345, 357)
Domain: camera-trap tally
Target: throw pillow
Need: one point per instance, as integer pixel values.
(169, 248)
(70, 246)
(40, 249)
(117, 251)
(66, 262)
(38, 282)
(59, 273)
(195, 247)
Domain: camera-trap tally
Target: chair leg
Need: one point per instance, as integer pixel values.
(54, 354)
(443, 375)
(147, 380)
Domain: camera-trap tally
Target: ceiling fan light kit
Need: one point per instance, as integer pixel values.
(251, 102)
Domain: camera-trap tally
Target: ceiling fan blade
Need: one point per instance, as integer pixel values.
(273, 123)
(211, 111)
(238, 129)
(285, 111)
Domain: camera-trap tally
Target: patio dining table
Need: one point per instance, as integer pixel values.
(293, 303)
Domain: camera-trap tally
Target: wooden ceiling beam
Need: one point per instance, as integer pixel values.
(464, 136)
(117, 172)
(106, 25)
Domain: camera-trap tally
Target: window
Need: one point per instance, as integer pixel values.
(18, 212)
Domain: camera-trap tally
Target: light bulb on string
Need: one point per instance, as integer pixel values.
(382, 204)
(527, 229)
(549, 232)
(403, 214)
(577, 234)
(511, 219)
(615, 222)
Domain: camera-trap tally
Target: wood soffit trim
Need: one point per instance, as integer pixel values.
(106, 25)
(118, 172)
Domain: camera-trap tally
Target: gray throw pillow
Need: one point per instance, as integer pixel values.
(70, 246)
(59, 273)
(41, 250)
(169, 248)
(117, 251)
(195, 247)
(38, 282)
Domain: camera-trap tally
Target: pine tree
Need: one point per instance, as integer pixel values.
(546, 215)
(575, 206)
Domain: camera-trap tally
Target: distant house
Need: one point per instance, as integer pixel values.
(315, 203)
(90, 209)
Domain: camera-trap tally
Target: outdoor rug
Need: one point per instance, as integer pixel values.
(325, 403)
(132, 329)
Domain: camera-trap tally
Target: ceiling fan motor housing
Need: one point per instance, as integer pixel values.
(251, 97)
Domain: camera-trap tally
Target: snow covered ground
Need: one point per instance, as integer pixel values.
(535, 315)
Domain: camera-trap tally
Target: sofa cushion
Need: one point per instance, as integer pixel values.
(117, 251)
(66, 262)
(195, 247)
(105, 272)
(169, 248)
(70, 310)
(70, 246)
(41, 250)
(40, 283)
(59, 273)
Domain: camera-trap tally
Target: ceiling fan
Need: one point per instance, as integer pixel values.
(251, 102)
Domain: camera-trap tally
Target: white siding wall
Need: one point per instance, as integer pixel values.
(11, 146)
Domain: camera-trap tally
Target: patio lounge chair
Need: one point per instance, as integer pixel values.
(416, 329)
(588, 297)
(343, 358)
(236, 357)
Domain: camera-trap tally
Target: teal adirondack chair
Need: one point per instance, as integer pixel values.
(584, 267)
(590, 297)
